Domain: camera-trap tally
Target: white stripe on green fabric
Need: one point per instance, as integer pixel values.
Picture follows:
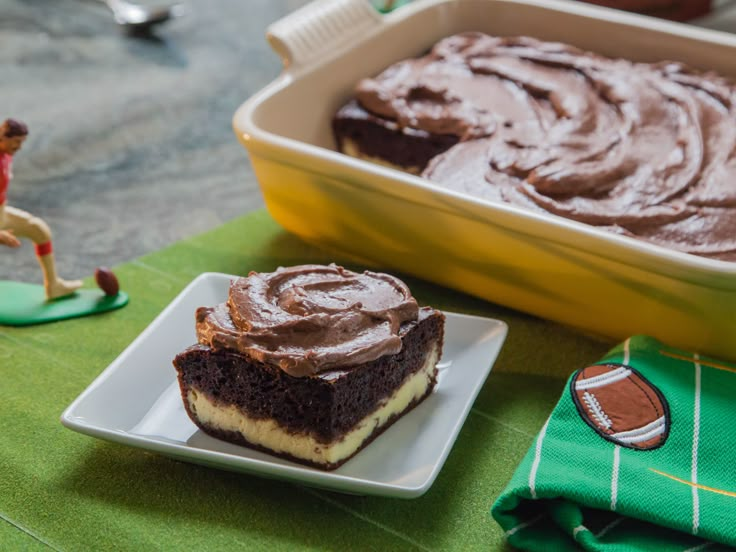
(610, 526)
(577, 530)
(523, 525)
(617, 448)
(537, 459)
(699, 547)
(614, 476)
(696, 439)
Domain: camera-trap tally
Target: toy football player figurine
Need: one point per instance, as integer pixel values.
(15, 223)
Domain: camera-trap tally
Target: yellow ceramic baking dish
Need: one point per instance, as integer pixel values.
(552, 267)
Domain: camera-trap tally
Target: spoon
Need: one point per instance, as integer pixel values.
(140, 19)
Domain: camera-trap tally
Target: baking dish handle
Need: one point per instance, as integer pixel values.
(320, 27)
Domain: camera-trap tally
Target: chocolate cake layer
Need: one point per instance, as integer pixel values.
(378, 139)
(232, 424)
(324, 405)
(310, 362)
(646, 150)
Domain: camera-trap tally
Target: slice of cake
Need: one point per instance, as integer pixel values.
(310, 363)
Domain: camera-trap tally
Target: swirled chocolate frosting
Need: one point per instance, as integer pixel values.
(310, 318)
(645, 150)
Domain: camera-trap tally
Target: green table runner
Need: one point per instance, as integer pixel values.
(67, 491)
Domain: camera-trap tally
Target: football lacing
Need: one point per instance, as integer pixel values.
(596, 410)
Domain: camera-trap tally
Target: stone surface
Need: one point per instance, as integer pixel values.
(131, 146)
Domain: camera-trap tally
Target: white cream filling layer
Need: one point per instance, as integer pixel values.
(350, 148)
(269, 434)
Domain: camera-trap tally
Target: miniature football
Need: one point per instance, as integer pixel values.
(107, 281)
(621, 405)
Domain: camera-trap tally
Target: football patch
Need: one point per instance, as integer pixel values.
(621, 405)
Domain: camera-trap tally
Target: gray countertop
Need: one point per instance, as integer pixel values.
(131, 146)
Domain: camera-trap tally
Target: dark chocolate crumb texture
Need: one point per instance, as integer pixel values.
(310, 363)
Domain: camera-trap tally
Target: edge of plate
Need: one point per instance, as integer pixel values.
(67, 417)
(296, 474)
(468, 405)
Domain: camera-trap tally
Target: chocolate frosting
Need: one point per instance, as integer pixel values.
(310, 318)
(645, 150)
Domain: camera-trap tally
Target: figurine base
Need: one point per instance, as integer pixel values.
(23, 304)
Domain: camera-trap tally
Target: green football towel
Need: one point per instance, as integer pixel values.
(639, 454)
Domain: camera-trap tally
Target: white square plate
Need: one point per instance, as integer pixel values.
(136, 401)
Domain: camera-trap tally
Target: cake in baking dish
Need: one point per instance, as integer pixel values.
(646, 150)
